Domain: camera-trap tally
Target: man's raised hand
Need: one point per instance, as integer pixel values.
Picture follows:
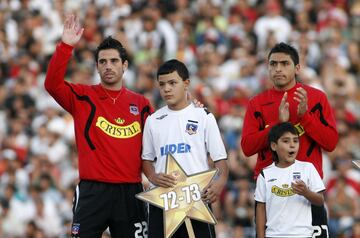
(284, 113)
(301, 97)
(72, 31)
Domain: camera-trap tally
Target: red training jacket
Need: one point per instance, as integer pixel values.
(317, 128)
(108, 135)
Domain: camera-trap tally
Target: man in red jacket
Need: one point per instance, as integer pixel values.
(109, 121)
(305, 107)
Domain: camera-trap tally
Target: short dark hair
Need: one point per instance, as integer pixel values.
(173, 65)
(111, 43)
(286, 49)
(278, 131)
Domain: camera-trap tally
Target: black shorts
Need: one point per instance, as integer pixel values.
(98, 206)
(156, 226)
(319, 221)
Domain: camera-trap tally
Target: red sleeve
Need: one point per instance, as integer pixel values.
(54, 81)
(255, 132)
(319, 123)
(149, 110)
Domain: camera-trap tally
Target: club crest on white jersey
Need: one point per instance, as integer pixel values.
(191, 127)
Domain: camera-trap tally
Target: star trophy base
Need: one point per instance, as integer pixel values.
(189, 228)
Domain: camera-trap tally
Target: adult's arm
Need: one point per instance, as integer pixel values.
(254, 135)
(319, 123)
(54, 81)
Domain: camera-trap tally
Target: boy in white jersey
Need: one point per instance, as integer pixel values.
(286, 189)
(189, 133)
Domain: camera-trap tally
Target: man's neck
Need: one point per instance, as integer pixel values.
(112, 87)
(286, 87)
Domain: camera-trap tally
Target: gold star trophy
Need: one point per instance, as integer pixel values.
(183, 201)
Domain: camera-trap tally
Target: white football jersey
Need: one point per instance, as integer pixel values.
(287, 214)
(188, 134)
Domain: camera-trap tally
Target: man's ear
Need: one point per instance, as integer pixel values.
(297, 69)
(125, 65)
(273, 146)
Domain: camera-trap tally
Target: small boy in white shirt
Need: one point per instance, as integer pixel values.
(286, 189)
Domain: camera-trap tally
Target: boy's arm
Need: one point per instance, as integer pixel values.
(260, 205)
(213, 191)
(160, 179)
(148, 156)
(260, 219)
(216, 148)
(315, 198)
(299, 187)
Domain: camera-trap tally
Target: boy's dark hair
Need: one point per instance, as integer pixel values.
(173, 65)
(286, 49)
(111, 43)
(278, 131)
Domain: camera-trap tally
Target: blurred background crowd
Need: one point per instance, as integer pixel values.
(224, 43)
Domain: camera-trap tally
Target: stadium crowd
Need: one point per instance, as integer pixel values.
(224, 43)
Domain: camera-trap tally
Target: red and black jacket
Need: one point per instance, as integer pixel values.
(108, 135)
(317, 128)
